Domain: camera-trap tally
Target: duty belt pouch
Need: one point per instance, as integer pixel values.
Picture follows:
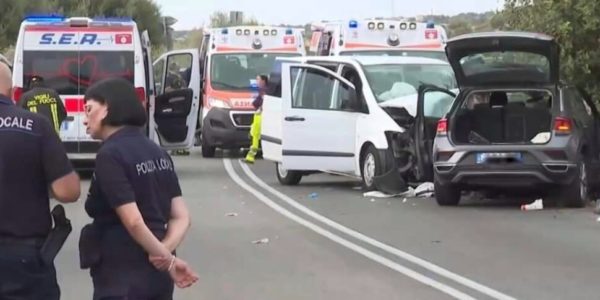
(89, 246)
(57, 237)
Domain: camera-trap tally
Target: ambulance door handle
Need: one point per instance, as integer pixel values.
(294, 119)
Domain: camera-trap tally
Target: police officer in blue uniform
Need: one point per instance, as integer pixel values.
(33, 163)
(135, 201)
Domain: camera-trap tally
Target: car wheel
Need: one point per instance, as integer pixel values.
(370, 168)
(576, 194)
(446, 194)
(208, 150)
(287, 177)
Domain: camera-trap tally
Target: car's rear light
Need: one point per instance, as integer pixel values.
(562, 125)
(141, 93)
(442, 127)
(17, 93)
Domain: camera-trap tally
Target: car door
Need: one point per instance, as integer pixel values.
(271, 122)
(319, 126)
(149, 78)
(594, 134)
(178, 99)
(432, 105)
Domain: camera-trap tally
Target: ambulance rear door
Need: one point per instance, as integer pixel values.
(177, 76)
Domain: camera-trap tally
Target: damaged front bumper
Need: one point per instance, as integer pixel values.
(399, 163)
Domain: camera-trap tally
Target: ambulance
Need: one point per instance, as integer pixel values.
(378, 37)
(223, 73)
(70, 54)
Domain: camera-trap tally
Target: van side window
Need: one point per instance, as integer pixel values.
(315, 90)
(179, 72)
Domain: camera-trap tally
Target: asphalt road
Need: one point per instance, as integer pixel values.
(327, 241)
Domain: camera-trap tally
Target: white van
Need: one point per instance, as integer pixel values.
(71, 54)
(352, 115)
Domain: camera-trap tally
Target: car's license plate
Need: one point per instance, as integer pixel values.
(491, 157)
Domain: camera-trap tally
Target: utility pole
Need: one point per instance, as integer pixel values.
(168, 31)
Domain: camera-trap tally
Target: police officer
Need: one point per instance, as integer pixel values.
(135, 201)
(33, 163)
(45, 101)
(262, 81)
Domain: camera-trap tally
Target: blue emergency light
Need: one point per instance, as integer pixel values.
(288, 31)
(353, 24)
(224, 31)
(45, 18)
(430, 24)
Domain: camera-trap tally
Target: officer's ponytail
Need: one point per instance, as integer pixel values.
(124, 108)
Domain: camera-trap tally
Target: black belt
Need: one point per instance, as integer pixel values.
(22, 241)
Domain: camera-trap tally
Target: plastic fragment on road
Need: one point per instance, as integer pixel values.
(313, 196)
(425, 190)
(377, 194)
(541, 138)
(261, 241)
(535, 205)
(231, 214)
(598, 219)
(372, 200)
(357, 188)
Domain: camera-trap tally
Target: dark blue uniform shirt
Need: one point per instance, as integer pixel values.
(31, 158)
(132, 168)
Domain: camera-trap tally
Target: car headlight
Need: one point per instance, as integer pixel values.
(220, 103)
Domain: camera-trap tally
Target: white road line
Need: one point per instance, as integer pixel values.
(354, 247)
(404, 255)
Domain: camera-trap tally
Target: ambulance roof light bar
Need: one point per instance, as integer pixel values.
(48, 18)
(430, 24)
(78, 22)
(353, 24)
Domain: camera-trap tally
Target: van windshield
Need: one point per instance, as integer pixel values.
(390, 81)
(235, 71)
(72, 72)
(441, 55)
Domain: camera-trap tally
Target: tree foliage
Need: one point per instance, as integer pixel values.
(576, 27)
(145, 12)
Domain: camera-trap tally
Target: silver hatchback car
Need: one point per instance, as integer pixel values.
(514, 127)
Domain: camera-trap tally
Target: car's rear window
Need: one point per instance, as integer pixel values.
(72, 72)
(511, 61)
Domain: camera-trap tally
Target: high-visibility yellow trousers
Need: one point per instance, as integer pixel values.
(255, 137)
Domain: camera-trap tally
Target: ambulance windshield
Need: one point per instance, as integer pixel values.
(234, 71)
(441, 55)
(72, 72)
(390, 81)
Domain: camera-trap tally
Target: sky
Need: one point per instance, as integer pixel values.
(194, 13)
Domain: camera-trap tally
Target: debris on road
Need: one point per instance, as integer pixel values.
(404, 200)
(598, 220)
(357, 188)
(372, 200)
(425, 190)
(536, 205)
(261, 241)
(436, 242)
(313, 196)
(232, 214)
(377, 194)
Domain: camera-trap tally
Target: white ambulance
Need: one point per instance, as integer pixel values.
(378, 37)
(70, 54)
(223, 74)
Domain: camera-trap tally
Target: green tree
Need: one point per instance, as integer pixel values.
(458, 27)
(221, 19)
(576, 27)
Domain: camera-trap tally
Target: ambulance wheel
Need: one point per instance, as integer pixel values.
(287, 177)
(208, 150)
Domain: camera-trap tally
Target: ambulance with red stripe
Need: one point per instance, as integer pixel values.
(378, 37)
(70, 54)
(228, 62)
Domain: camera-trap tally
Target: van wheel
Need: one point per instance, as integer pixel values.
(287, 177)
(576, 194)
(370, 168)
(208, 150)
(446, 194)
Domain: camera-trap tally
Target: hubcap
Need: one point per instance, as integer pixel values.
(369, 169)
(583, 181)
(282, 172)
